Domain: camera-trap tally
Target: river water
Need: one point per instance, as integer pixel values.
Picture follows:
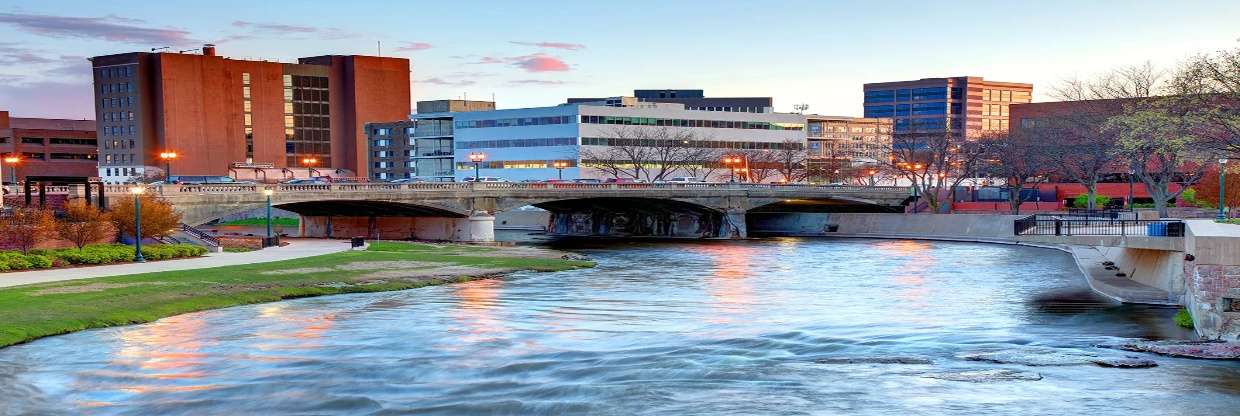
(657, 328)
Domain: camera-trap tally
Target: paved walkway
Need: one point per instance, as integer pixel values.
(296, 248)
(1107, 283)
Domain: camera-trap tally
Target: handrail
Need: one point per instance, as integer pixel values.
(201, 235)
(1072, 224)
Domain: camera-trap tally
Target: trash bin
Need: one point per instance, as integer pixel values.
(1156, 229)
(356, 242)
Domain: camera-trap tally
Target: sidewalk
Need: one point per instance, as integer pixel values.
(297, 248)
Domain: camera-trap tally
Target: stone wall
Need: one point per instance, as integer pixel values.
(1213, 279)
(476, 228)
(241, 241)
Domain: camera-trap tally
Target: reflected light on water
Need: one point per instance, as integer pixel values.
(478, 302)
(162, 356)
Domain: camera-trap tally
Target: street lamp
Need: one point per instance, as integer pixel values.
(268, 192)
(137, 224)
(11, 160)
(1131, 172)
(477, 158)
(167, 157)
(559, 166)
(309, 162)
(744, 173)
(1222, 184)
(729, 161)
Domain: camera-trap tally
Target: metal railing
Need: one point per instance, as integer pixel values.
(200, 234)
(475, 186)
(1069, 225)
(1103, 213)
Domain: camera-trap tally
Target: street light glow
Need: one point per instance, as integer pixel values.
(477, 157)
(12, 159)
(268, 192)
(167, 155)
(137, 190)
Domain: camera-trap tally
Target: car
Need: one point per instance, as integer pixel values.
(586, 180)
(684, 179)
(558, 181)
(201, 180)
(407, 180)
(305, 181)
(624, 180)
(486, 179)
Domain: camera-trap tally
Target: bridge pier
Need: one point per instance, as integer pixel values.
(734, 225)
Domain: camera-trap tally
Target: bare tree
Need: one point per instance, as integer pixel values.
(651, 154)
(760, 165)
(702, 162)
(1208, 85)
(934, 162)
(1076, 143)
(791, 158)
(1017, 158)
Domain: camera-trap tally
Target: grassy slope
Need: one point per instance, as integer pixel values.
(26, 315)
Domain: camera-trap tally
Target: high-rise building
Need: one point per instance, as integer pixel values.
(696, 100)
(217, 113)
(845, 143)
(48, 147)
(965, 106)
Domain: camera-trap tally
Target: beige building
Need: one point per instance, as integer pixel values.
(846, 143)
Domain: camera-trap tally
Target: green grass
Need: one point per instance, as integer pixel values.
(34, 311)
(1184, 319)
(262, 221)
(237, 249)
(1235, 221)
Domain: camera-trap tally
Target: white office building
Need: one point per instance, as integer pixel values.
(526, 143)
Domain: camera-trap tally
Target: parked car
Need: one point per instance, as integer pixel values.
(587, 180)
(407, 180)
(486, 179)
(684, 179)
(305, 181)
(624, 180)
(558, 181)
(201, 180)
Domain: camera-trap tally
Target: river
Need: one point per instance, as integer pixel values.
(675, 328)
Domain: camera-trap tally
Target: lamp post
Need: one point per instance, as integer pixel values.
(309, 162)
(729, 161)
(12, 161)
(1130, 173)
(267, 241)
(167, 158)
(916, 199)
(1222, 185)
(477, 158)
(559, 166)
(137, 224)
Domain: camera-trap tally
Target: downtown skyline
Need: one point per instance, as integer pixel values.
(539, 53)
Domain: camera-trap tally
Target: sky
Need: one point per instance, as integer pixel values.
(538, 53)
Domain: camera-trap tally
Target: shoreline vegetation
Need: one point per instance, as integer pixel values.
(35, 311)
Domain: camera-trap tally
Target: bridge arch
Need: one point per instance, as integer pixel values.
(819, 205)
(635, 217)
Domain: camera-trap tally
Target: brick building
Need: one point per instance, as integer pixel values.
(217, 112)
(48, 147)
(965, 106)
(836, 142)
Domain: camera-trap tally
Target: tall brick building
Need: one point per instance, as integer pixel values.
(217, 113)
(48, 147)
(964, 106)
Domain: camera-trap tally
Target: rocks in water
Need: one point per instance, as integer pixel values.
(1124, 362)
(986, 376)
(1033, 358)
(1047, 357)
(572, 256)
(1187, 349)
(874, 360)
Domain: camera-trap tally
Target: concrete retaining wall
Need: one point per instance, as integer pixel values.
(472, 229)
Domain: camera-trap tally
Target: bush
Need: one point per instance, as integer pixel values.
(1184, 319)
(1082, 201)
(11, 260)
(93, 254)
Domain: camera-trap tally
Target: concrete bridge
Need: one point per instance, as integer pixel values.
(465, 211)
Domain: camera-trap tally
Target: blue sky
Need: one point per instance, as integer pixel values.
(536, 53)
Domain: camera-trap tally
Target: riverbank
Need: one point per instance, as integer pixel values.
(34, 311)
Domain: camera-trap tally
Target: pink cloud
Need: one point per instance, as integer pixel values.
(108, 28)
(445, 82)
(552, 45)
(540, 63)
(414, 46)
(546, 82)
(274, 27)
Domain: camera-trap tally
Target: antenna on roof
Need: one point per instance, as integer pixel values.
(379, 46)
(801, 108)
(160, 48)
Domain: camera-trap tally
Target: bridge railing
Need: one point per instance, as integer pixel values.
(442, 186)
(1068, 225)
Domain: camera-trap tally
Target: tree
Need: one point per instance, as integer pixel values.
(1158, 142)
(651, 154)
(25, 228)
(702, 162)
(934, 161)
(1017, 158)
(1209, 85)
(760, 165)
(1207, 188)
(158, 217)
(82, 224)
(791, 158)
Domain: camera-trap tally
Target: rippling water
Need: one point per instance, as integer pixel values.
(657, 328)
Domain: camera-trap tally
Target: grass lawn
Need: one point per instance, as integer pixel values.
(275, 221)
(35, 311)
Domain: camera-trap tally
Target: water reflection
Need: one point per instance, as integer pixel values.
(657, 328)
